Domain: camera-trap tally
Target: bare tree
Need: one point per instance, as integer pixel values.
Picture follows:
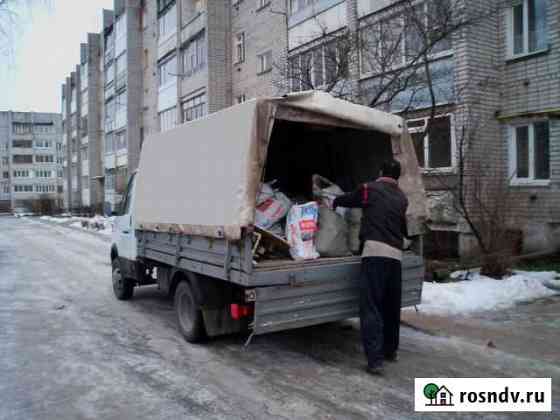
(12, 15)
(398, 49)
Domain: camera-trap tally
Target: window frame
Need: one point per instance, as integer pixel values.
(403, 47)
(426, 145)
(512, 152)
(510, 28)
(239, 49)
(262, 59)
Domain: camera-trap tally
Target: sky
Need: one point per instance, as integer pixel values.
(46, 51)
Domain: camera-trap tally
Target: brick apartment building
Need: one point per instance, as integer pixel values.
(30, 161)
(166, 62)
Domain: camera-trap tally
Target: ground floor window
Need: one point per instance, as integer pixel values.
(529, 154)
(434, 142)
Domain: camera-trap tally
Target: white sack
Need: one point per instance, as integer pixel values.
(332, 237)
(301, 226)
(272, 210)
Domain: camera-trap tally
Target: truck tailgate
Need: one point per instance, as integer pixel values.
(324, 293)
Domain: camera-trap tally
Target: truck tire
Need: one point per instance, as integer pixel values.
(189, 315)
(122, 287)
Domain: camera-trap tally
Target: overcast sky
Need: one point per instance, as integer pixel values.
(47, 49)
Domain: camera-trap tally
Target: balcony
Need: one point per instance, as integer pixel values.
(193, 26)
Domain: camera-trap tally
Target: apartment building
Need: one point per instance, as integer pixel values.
(82, 131)
(30, 161)
(167, 62)
(498, 73)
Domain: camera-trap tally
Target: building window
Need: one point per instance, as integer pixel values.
(400, 39)
(84, 127)
(22, 159)
(21, 174)
(109, 146)
(194, 55)
(239, 48)
(297, 5)
(84, 153)
(85, 182)
(167, 119)
(43, 144)
(436, 149)
(529, 153)
(317, 68)
(167, 71)
(44, 159)
(41, 173)
(264, 62)
(25, 144)
(23, 188)
(527, 30)
(240, 99)
(120, 69)
(120, 141)
(21, 128)
(194, 108)
(167, 19)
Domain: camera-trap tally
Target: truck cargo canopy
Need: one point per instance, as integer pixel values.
(202, 177)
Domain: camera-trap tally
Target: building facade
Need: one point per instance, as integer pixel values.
(166, 62)
(30, 161)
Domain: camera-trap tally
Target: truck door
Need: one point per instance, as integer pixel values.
(123, 236)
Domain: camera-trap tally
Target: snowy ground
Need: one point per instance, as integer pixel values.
(478, 293)
(100, 224)
(70, 350)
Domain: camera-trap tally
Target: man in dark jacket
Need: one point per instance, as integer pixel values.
(383, 229)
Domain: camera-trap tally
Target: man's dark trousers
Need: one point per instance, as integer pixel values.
(380, 307)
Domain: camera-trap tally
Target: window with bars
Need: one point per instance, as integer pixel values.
(529, 160)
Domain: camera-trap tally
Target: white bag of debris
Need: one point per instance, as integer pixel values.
(266, 192)
(272, 210)
(332, 237)
(301, 226)
(325, 192)
(354, 220)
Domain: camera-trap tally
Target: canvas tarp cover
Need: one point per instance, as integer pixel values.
(202, 177)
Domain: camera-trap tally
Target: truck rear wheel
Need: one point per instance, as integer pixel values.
(189, 315)
(122, 287)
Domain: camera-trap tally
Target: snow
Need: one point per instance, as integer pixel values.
(476, 293)
(99, 224)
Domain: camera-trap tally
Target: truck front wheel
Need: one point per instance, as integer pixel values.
(122, 287)
(189, 315)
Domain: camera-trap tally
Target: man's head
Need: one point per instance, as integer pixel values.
(391, 169)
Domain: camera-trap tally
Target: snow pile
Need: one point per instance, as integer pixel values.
(58, 220)
(479, 293)
(100, 224)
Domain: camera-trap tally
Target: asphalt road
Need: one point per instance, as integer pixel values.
(70, 350)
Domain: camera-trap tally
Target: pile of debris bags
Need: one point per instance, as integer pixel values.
(305, 231)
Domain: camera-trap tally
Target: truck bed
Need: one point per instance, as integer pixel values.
(288, 294)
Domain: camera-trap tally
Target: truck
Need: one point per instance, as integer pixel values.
(187, 220)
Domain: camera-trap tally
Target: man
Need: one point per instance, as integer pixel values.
(382, 231)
